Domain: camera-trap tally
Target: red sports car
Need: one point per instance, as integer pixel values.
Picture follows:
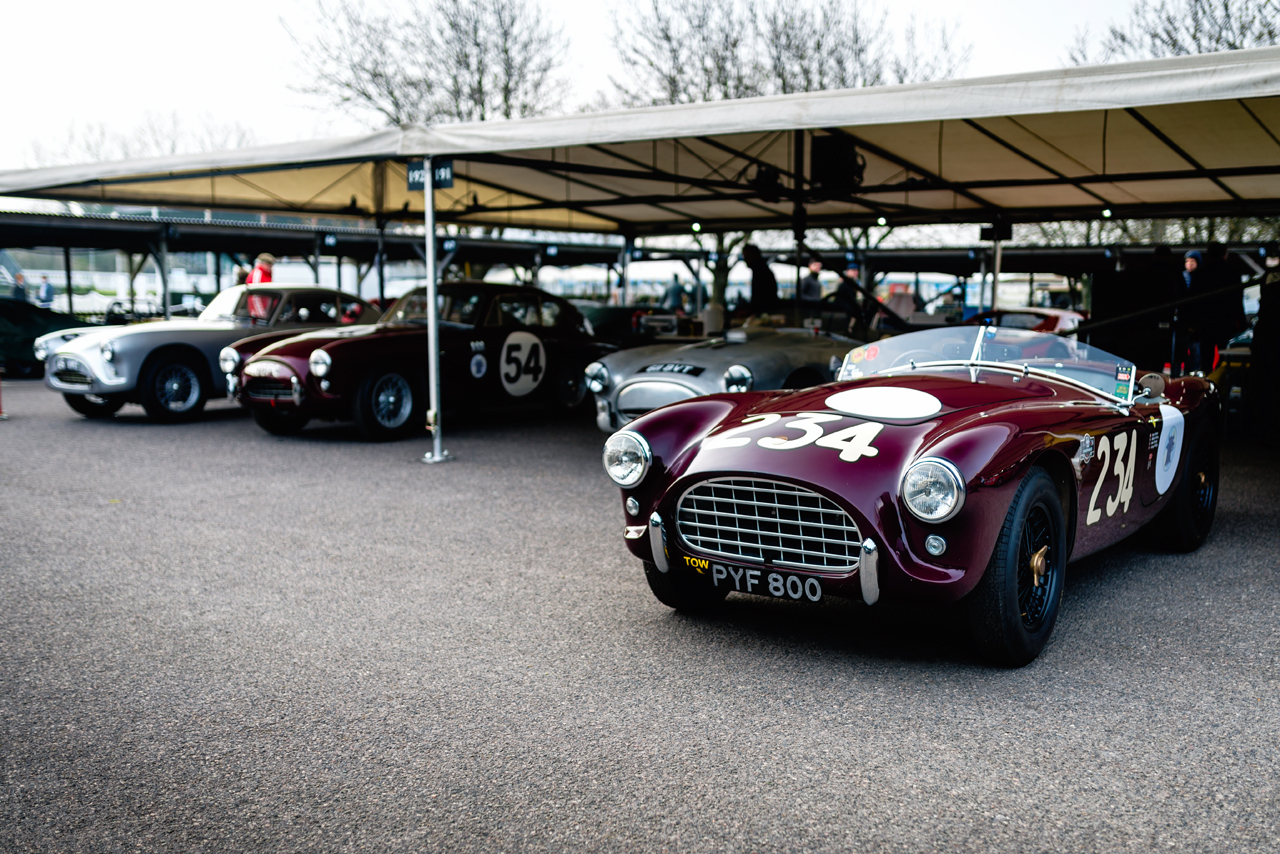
(500, 346)
(949, 465)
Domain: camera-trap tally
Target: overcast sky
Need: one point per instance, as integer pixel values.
(232, 61)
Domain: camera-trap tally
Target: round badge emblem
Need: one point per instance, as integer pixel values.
(479, 364)
(523, 363)
(881, 403)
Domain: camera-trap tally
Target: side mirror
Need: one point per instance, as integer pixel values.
(1152, 386)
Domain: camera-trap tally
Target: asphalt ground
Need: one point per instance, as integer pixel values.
(212, 639)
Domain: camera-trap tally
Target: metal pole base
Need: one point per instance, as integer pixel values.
(443, 457)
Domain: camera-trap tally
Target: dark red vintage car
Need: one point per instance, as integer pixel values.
(950, 465)
(501, 346)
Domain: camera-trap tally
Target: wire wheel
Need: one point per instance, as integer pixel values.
(177, 387)
(392, 401)
(1203, 470)
(1036, 585)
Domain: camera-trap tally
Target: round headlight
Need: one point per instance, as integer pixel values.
(597, 377)
(319, 362)
(228, 360)
(738, 378)
(933, 490)
(40, 350)
(108, 350)
(627, 457)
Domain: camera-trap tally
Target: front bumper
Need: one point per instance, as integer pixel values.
(77, 373)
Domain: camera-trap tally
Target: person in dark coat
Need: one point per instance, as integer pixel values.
(810, 293)
(1190, 322)
(764, 285)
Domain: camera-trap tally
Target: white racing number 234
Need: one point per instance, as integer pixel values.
(853, 443)
(1122, 470)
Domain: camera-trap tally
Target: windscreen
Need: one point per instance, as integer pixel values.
(454, 306)
(253, 307)
(955, 348)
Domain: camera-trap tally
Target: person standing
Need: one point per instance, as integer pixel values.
(19, 288)
(764, 285)
(261, 269)
(45, 294)
(810, 287)
(673, 297)
(1188, 320)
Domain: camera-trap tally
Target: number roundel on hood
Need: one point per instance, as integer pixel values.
(889, 403)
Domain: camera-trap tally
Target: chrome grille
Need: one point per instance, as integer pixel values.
(265, 389)
(71, 377)
(768, 521)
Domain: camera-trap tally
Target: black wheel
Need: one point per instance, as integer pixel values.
(570, 388)
(1185, 522)
(681, 592)
(94, 406)
(389, 405)
(1014, 606)
(280, 422)
(173, 388)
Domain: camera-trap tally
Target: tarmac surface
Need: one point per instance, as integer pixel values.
(212, 639)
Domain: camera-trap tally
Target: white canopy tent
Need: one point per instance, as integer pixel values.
(1197, 135)
(1184, 136)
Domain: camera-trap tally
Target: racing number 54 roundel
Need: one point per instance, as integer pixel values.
(523, 363)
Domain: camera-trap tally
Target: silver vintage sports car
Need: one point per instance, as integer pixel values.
(629, 383)
(171, 366)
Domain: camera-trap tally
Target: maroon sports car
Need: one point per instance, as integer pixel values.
(500, 346)
(950, 465)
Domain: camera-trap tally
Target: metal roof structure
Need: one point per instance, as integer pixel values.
(1193, 135)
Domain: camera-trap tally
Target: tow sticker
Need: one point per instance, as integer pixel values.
(479, 365)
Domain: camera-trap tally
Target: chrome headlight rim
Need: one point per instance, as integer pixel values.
(107, 349)
(229, 360)
(598, 378)
(319, 362)
(957, 480)
(645, 453)
(738, 379)
(41, 350)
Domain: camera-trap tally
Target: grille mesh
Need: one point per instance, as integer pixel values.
(261, 388)
(767, 521)
(73, 377)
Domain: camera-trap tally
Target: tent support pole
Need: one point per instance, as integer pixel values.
(217, 272)
(316, 266)
(437, 453)
(66, 263)
(382, 283)
(995, 274)
(162, 261)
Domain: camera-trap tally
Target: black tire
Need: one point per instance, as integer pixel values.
(1186, 520)
(280, 422)
(389, 405)
(1010, 615)
(570, 389)
(94, 406)
(173, 388)
(681, 592)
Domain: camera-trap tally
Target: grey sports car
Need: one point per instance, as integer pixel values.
(171, 366)
(629, 383)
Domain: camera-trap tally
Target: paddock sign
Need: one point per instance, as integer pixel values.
(441, 175)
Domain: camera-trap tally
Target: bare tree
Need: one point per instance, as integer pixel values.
(1174, 28)
(155, 136)
(686, 51)
(1180, 28)
(445, 60)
